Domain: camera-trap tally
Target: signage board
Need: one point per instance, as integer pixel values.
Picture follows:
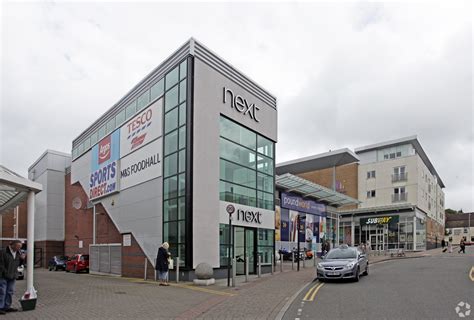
(241, 104)
(143, 128)
(299, 204)
(246, 216)
(103, 179)
(142, 165)
(127, 240)
(379, 220)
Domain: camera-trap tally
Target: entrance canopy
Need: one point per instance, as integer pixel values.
(292, 183)
(13, 190)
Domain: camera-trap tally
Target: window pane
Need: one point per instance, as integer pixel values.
(265, 182)
(157, 89)
(143, 100)
(182, 137)
(265, 200)
(181, 185)
(237, 194)
(183, 68)
(170, 165)
(236, 153)
(170, 232)
(182, 91)
(171, 120)
(120, 118)
(265, 146)
(87, 143)
(265, 164)
(170, 210)
(102, 132)
(172, 78)
(110, 126)
(94, 138)
(237, 133)
(237, 174)
(131, 109)
(171, 99)
(181, 232)
(182, 114)
(170, 189)
(265, 237)
(181, 208)
(80, 149)
(171, 142)
(182, 254)
(182, 160)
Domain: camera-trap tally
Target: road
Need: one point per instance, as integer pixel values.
(418, 288)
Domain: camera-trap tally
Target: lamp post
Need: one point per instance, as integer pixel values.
(298, 241)
(230, 210)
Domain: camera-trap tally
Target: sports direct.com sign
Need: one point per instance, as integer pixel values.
(103, 179)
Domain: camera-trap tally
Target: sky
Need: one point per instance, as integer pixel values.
(346, 74)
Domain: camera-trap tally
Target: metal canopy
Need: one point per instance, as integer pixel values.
(14, 188)
(292, 183)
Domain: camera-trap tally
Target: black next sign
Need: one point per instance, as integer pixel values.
(249, 216)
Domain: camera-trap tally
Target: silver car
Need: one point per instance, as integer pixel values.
(343, 262)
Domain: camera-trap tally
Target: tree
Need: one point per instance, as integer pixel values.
(451, 211)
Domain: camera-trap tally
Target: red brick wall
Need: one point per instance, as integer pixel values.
(8, 222)
(133, 262)
(434, 233)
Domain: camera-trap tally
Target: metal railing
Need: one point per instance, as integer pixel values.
(399, 197)
(403, 176)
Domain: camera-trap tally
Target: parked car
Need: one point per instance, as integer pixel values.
(78, 263)
(20, 272)
(343, 262)
(57, 263)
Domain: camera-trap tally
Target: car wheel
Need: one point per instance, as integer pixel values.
(366, 273)
(357, 275)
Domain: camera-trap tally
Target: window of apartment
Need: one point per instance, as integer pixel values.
(399, 190)
(370, 194)
(370, 174)
(399, 170)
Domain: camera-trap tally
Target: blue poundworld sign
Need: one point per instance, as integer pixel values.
(297, 203)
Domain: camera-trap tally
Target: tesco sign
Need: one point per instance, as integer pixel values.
(141, 129)
(103, 179)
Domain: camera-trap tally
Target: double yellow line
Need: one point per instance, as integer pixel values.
(312, 292)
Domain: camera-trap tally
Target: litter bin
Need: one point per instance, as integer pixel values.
(28, 304)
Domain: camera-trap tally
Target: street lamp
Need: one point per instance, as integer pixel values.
(230, 210)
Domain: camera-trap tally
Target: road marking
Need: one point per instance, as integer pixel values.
(471, 274)
(312, 292)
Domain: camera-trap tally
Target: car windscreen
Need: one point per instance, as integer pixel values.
(341, 254)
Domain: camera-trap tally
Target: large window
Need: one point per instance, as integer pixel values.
(174, 164)
(246, 166)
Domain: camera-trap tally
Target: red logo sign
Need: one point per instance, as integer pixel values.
(105, 148)
(137, 141)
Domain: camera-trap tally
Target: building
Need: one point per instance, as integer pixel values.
(402, 198)
(49, 170)
(460, 226)
(189, 145)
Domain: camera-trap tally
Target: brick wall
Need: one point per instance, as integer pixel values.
(8, 222)
(133, 261)
(346, 176)
(434, 233)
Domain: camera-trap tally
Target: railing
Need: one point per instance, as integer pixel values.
(399, 176)
(399, 197)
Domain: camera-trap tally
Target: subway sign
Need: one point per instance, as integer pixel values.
(379, 220)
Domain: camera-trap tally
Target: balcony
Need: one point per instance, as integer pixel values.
(399, 177)
(399, 197)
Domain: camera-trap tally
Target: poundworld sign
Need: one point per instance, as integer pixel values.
(379, 220)
(241, 104)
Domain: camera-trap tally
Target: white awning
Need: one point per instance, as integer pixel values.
(14, 188)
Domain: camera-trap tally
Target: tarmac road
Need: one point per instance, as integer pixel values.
(417, 288)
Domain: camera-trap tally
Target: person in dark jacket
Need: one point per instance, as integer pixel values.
(10, 259)
(162, 263)
(462, 246)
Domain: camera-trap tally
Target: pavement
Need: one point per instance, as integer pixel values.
(69, 296)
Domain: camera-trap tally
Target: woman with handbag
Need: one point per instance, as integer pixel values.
(162, 262)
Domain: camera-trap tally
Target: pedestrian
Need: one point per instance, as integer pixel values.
(450, 247)
(443, 244)
(462, 246)
(10, 258)
(162, 262)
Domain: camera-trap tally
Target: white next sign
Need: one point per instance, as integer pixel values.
(246, 216)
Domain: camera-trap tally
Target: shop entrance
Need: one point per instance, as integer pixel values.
(377, 238)
(245, 244)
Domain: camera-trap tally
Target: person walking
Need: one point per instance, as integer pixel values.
(10, 259)
(162, 263)
(450, 247)
(462, 246)
(443, 244)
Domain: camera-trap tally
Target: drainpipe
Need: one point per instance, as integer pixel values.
(93, 224)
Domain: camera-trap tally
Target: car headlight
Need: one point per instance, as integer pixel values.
(350, 265)
(319, 266)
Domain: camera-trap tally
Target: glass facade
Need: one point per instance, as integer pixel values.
(174, 161)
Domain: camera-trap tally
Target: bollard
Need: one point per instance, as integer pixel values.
(293, 260)
(281, 263)
(314, 258)
(304, 260)
(259, 265)
(146, 267)
(233, 272)
(154, 269)
(246, 269)
(273, 262)
(177, 269)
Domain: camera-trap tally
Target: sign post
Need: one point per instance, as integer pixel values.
(230, 210)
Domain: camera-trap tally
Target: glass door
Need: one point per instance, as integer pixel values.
(250, 249)
(245, 246)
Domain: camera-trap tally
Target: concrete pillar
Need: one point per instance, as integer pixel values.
(352, 232)
(31, 242)
(414, 232)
